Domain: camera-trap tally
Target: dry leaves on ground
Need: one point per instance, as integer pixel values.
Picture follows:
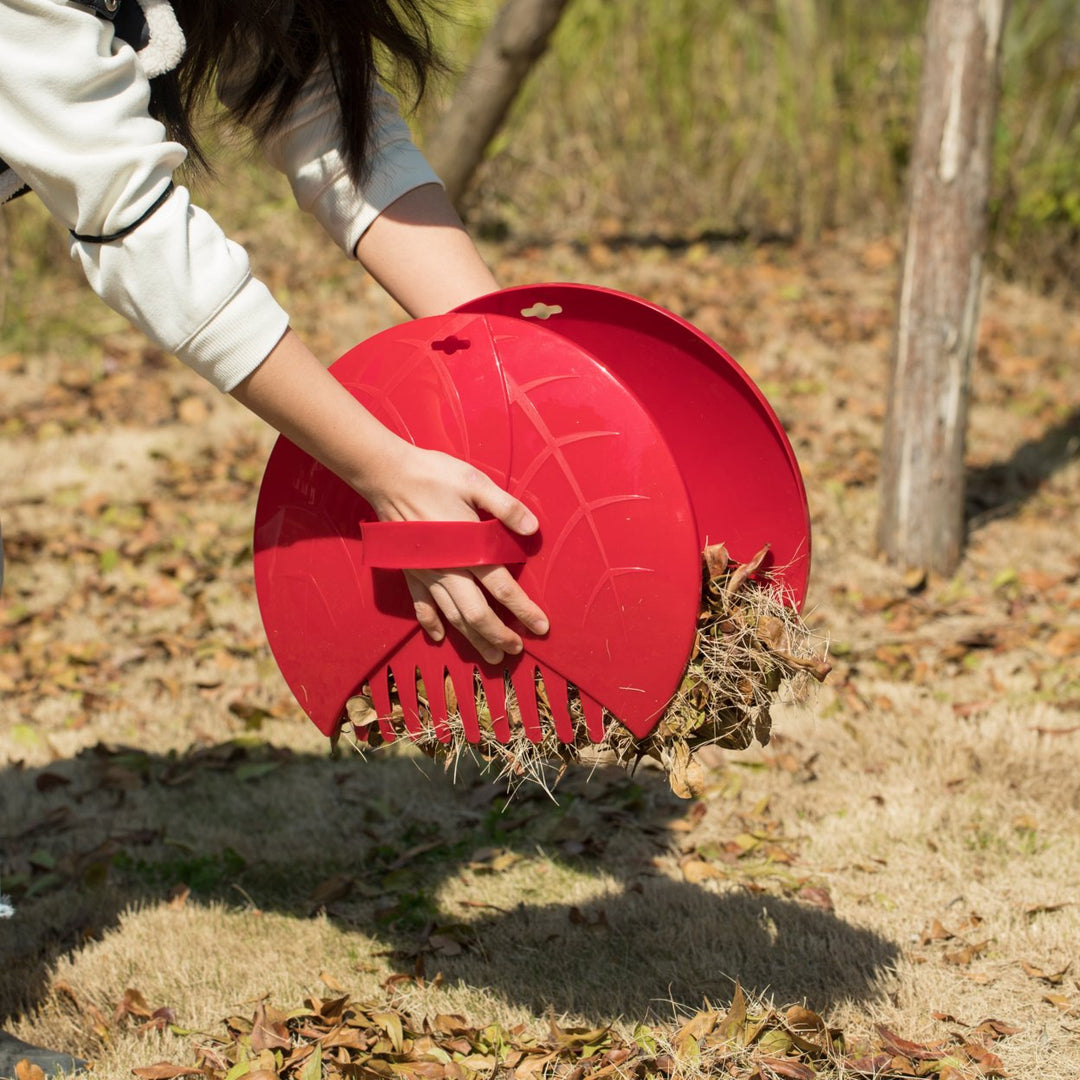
(339, 1039)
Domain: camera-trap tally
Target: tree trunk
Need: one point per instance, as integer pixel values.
(921, 522)
(517, 39)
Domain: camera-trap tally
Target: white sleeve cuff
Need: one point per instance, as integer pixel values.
(238, 337)
(189, 288)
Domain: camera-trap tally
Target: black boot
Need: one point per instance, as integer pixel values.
(13, 1050)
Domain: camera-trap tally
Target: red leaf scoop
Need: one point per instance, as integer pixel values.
(633, 438)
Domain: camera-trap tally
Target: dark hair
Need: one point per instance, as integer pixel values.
(285, 40)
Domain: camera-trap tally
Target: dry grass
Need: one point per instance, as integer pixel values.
(924, 784)
(785, 118)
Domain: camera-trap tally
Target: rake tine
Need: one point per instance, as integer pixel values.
(558, 697)
(495, 692)
(379, 688)
(524, 680)
(466, 706)
(435, 689)
(410, 706)
(594, 717)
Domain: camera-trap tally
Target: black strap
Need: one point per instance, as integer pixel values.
(110, 237)
(105, 8)
(5, 167)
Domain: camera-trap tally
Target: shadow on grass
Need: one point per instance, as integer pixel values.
(550, 906)
(1001, 489)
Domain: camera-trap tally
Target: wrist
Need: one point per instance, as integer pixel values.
(377, 467)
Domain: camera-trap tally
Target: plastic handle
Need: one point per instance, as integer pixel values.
(429, 545)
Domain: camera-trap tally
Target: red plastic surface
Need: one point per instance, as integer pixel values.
(732, 451)
(616, 567)
(635, 440)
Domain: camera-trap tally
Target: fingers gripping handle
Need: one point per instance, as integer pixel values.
(432, 545)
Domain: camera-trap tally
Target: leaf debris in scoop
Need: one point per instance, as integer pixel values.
(750, 647)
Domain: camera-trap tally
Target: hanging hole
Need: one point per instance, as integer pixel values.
(541, 311)
(450, 345)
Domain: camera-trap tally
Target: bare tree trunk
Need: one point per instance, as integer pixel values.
(921, 522)
(517, 39)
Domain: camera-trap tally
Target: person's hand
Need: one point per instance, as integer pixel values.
(425, 485)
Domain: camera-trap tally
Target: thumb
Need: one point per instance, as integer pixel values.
(513, 513)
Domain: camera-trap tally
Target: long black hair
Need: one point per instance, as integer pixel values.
(285, 40)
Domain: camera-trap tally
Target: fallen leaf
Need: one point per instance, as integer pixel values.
(695, 871)
(50, 781)
(268, 1032)
(1046, 909)
(444, 945)
(334, 888)
(911, 1050)
(179, 897)
(997, 1029)
(716, 560)
(493, 860)
(1064, 643)
(193, 411)
(732, 1028)
(786, 1068)
(873, 1065)
(1054, 978)
(964, 956)
(133, 1003)
(1059, 1001)
(988, 1063)
(817, 896)
(25, 1070)
(686, 776)
(580, 918)
(935, 932)
(163, 1070)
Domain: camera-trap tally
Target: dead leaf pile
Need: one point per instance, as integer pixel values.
(339, 1039)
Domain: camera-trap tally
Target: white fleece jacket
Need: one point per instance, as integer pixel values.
(74, 126)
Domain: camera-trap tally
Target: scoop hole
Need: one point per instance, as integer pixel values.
(450, 345)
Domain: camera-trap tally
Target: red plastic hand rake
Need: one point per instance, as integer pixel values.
(634, 439)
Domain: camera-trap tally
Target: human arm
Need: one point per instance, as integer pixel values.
(401, 226)
(75, 126)
(398, 221)
(418, 250)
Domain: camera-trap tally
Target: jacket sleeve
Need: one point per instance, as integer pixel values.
(307, 149)
(74, 125)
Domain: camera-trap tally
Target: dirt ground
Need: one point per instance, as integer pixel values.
(905, 852)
